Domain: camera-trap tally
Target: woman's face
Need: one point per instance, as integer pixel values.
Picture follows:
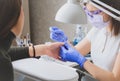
(17, 29)
(92, 9)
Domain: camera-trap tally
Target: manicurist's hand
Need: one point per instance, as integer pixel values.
(57, 34)
(68, 53)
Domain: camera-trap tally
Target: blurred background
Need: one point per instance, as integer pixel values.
(40, 15)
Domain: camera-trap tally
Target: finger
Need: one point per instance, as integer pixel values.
(63, 49)
(57, 57)
(54, 56)
(53, 28)
(57, 37)
(67, 46)
(62, 59)
(63, 53)
(53, 37)
(58, 44)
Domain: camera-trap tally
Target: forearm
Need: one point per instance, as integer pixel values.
(39, 50)
(98, 73)
(83, 47)
(26, 52)
(18, 53)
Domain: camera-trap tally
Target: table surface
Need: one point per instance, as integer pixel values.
(45, 70)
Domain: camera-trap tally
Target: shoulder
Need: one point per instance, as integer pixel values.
(92, 33)
(4, 55)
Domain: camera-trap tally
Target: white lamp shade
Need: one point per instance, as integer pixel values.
(71, 13)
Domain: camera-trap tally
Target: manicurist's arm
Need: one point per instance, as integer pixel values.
(83, 47)
(103, 75)
(97, 72)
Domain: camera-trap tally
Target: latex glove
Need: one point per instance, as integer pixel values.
(67, 53)
(57, 34)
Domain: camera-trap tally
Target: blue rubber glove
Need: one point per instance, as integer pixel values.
(67, 53)
(57, 34)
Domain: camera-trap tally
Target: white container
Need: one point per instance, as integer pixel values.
(45, 70)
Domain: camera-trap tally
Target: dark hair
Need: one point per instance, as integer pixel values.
(115, 24)
(9, 14)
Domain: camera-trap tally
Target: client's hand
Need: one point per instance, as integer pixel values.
(67, 53)
(52, 49)
(57, 34)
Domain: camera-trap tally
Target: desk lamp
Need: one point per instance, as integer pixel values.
(71, 12)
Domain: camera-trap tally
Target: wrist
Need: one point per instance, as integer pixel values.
(87, 64)
(31, 51)
(34, 52)
(81, 61)
(40, 50)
